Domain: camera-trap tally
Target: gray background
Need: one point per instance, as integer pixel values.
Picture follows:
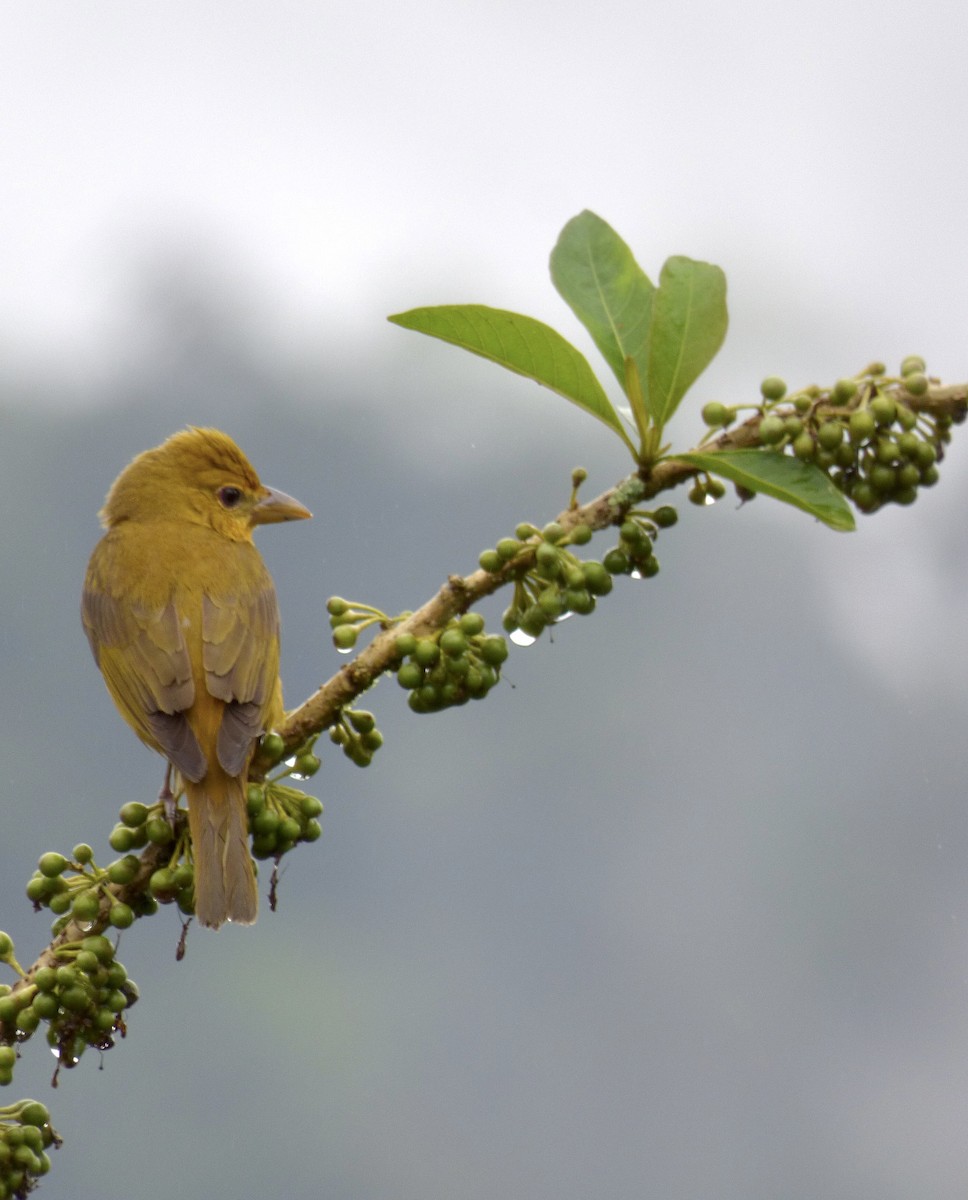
(680, 910)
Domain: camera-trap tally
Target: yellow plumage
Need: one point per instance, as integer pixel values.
(181, 615)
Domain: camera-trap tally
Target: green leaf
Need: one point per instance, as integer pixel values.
(781, 476)
(523, 345)
(599, 279)
(689, 322)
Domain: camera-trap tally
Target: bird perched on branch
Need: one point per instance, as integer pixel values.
(181, 615)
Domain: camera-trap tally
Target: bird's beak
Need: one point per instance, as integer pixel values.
(277, 506)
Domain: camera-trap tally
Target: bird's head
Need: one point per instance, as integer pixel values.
(201, 476)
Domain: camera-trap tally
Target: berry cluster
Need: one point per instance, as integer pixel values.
(81, 996)
(25, 1137)
(356, 734)
(865, 432)
(76, 888)
(459, 663)
(348, 619)
(280, 816)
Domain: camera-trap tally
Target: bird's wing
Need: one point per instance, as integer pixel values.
(142, 654)
(240, 654)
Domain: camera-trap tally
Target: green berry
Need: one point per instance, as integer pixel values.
(908, 476)
(548, 560)
(494, 650)
(121, 915)
(913, 365)
(507, 548)
(906, 418)
(616, 562)
(427, 652)
(410, 675)
(490, 561)
(773, 388)
(861, 425)
(336, 606)
(134, 814)
(882, 478)
(804, 447)
(715, 414)
(27, 1020)
(580, 601)
(82, 854)
(472, 624)
(52, 864)
(85, 906)
(830, 435)
(580, 535)
(792, 426)
(533, 621)
(123, 870)
(312, 830)
(344, 637)
(665, 517)
(716, 488)
(272, 747)
(844, 390)
(597, 579)
(308, 764)
(697, 494)
(255, 798)
(884, 410)
(405, 644)
(98, 944)
(453, 642)
(159, 832)
(772, 430)
(121, 839)
(916, 383)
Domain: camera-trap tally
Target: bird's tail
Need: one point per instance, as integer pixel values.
(225, 886)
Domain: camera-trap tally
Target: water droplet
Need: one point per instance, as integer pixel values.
(344, 649)
(563, 616)
(635, 574)
(520, 638)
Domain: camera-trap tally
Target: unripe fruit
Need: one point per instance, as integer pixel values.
(772, 430)
(82, 854)
(426, 652)
(914, 364)
(916, 383)
(336, 606)
(507, 548)
(345, 636)
(405, 644)
(773, 388)
(792, 426)
(472, 623)
(715, 414)
(884, 410)
(494, 650)
(665, 517)
(272, 747)
(134, 814)
(159, 832)
(830, 435)
(616, 562)
(85, 906)
(804, 447)
(861, 425)
(548, 560)
(121, 915)
(410, 675)
(51, 865)
(581, 535)
(844, 390)
(490, 561)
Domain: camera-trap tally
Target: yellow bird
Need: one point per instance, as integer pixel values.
(181, 615)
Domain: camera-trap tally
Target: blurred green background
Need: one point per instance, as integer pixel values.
(680, 910)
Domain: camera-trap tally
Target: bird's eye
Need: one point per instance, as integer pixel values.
(229, 497)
